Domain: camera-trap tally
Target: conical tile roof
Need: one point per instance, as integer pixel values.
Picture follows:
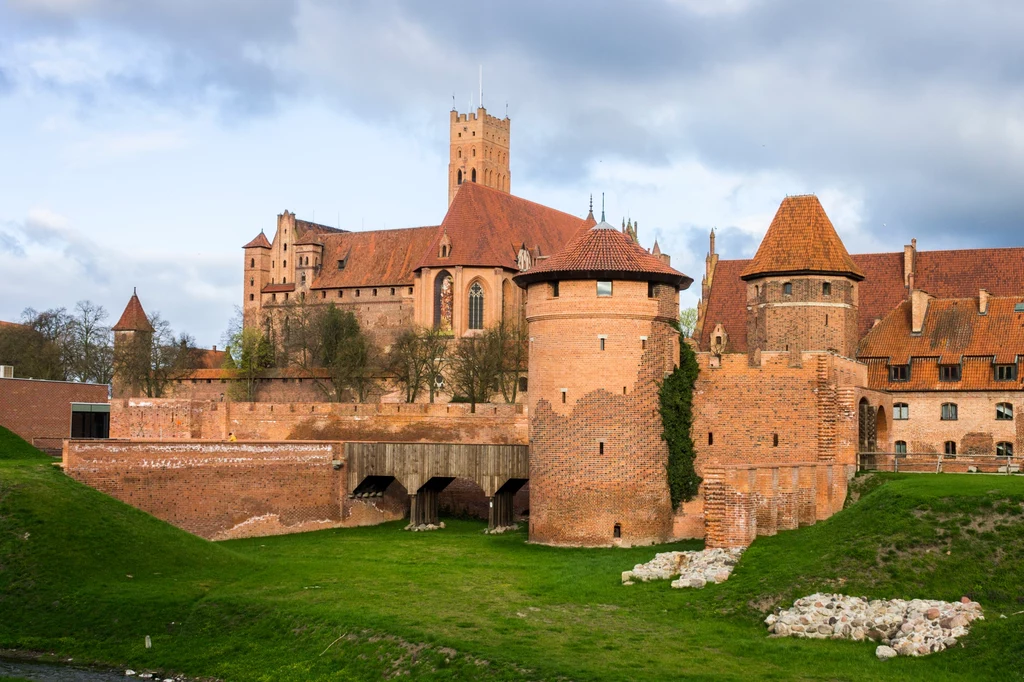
(801, 240)
(259, 242)
(133, 319)
(603, 252)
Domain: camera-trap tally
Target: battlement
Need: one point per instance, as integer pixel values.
(480, 115)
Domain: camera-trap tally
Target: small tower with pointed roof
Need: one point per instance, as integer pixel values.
(256, 266)
(133, 336)
(601, 317)
(802, 285)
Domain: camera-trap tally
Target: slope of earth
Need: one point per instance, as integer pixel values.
(85, 576)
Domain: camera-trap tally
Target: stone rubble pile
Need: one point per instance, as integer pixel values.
(425, 526)
(498, 530)
(695, 569)
(902, 628)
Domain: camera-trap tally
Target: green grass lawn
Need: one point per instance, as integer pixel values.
(83, 575)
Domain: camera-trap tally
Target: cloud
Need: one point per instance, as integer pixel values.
(192, 291)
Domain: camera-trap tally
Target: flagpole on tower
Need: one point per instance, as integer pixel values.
(481, 86)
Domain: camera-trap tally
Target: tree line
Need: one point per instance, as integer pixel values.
(78, 345)
(345, 363)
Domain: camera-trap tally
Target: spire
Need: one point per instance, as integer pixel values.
(712, 251)
(591, 213)
(657, 249)
(602, 207)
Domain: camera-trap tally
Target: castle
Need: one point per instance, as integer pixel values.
(812, 361)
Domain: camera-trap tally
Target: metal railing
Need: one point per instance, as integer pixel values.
(938, 463)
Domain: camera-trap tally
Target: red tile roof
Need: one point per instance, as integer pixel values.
(278, 288)
(603, 251)
(373, 258)
(133, 318)
(259, 242)
(953, 329)
(488, 227)
(801, 239)
(944, 274)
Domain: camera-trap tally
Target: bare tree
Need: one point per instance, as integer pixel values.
(475, 367)
(92, 356)
(149, 361)
(407, 362)
(514, 342)
(435, 345)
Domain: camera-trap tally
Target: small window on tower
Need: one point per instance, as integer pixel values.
(252, 262)
(286, 248)
(341, 292)
(554, 290)
(604, 288)
(775, 440)
(787, 289)
(252, 297)
(651, 291)
(826, 288)
(392, 291)
(601, 341)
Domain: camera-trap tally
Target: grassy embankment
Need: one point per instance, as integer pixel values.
(86, 576)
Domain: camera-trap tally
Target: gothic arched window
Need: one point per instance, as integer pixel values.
(476, 306)
(473, 175)
(460, 178)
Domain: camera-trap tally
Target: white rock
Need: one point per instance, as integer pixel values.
(884, 653)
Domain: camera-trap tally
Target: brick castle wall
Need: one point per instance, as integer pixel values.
(417, 422)
(778, 411)
(40, 411)
(597, 459)
(221, 490)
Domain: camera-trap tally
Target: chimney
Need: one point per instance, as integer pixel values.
(909, 264)
(918, 309)
(214, 348)
(983, 297)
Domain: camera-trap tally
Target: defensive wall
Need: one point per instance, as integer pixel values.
(776, 438)
(172, 419)
(40, 411)
(224, 490)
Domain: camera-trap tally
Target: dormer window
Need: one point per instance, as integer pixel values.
(341, 264)
(899, 372)
(1006, 372)
(949, 372)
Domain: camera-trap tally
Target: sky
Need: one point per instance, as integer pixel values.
(143, 143)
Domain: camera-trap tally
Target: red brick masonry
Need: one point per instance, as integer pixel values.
(40, 411)
(220, 490)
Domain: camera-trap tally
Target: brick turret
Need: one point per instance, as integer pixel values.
(133, 333)
(802, 285)
(601, 315)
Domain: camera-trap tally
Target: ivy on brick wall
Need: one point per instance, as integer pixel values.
(676, 394)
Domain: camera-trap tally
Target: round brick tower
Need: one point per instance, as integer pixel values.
(601, 317)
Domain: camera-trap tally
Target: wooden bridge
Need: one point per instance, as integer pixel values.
(425, 469)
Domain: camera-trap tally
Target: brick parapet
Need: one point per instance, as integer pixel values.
(40, 411)
(450, 422)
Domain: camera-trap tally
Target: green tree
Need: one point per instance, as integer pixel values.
(676, 398)
(348, 355)
(687, 321)
(249, 353)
